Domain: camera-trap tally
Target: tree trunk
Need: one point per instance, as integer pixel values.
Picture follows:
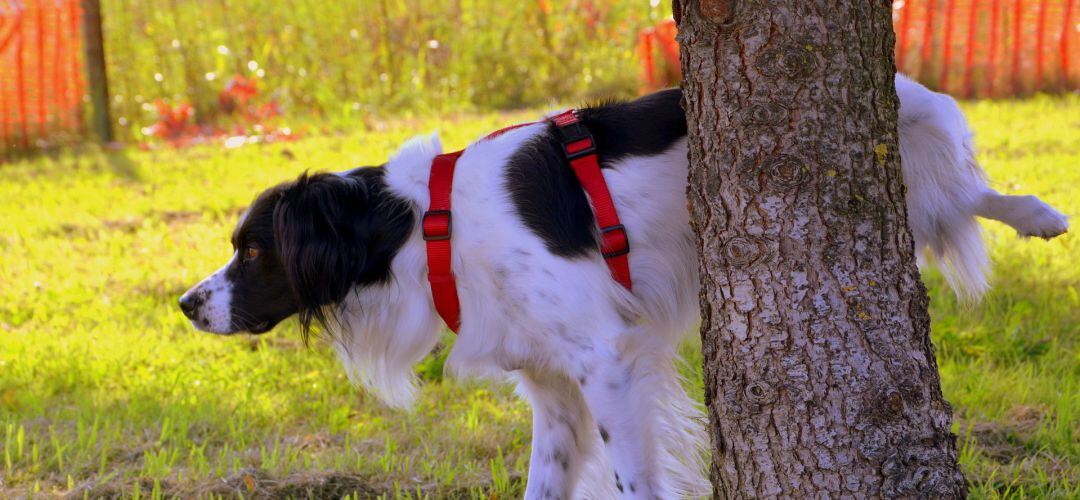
(820, 376)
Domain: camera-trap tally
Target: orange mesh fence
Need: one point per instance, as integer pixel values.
(968, 48)
(41, 72)
(989, 48)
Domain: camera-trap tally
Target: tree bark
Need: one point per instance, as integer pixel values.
(819, 372)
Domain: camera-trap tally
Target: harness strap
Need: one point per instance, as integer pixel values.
(580, 150)
(437, 225)
(437, 222)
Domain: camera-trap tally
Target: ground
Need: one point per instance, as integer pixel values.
(106, 390)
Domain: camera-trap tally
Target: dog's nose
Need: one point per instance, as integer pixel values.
(189, 303)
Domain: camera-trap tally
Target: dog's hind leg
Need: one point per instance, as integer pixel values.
(680, 421)
(620, 408)
(643, 418)
(563, 434)
(1029, 215)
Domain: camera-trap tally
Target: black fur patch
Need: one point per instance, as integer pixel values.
(321, 236)
(546, 193)
(645, 126)
(261, 295)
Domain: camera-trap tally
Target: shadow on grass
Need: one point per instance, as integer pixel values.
(255, 484)
(248, 483)
(122, 165)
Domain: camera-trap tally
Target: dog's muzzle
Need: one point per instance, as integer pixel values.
(208, 304)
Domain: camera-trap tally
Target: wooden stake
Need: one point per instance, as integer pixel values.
(95, 70)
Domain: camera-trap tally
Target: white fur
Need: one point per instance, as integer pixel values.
(382, 331)
(587, 353)
(946, 188)
(215, 313)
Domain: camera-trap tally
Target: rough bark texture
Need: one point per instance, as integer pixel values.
(820, 376)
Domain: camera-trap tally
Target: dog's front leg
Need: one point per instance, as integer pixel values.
(561, 427)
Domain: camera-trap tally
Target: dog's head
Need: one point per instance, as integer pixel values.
(300, 248)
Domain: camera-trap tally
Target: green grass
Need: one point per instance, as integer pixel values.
(105, 388)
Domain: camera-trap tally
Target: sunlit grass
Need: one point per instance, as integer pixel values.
(105, 388)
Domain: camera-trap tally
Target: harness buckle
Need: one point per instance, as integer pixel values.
(572, 130)
(436, 229)
(577, 141)
(579, 149)
(615, 242)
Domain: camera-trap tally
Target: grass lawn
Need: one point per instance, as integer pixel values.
(105, 389)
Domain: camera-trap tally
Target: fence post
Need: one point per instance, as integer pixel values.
(95, 70)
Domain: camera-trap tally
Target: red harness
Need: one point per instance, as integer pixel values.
(437, 223)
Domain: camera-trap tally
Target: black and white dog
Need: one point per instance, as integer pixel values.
(538, 303)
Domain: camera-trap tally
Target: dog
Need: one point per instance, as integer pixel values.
(596, 361)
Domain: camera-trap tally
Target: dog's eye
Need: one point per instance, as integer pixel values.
(251, 253)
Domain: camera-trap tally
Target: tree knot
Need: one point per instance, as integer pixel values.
(760, 393)
(765, 113)
(717, 11)
(787, 171)
(794, 62)
(742, 251)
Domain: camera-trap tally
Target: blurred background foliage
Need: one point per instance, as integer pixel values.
(195, 71)
(348, 61)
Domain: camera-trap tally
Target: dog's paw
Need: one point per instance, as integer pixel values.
(1042, 221)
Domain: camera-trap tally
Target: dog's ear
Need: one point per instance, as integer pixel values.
(335, 233)
(318, 232)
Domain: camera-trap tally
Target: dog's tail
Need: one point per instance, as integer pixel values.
(945, 186)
